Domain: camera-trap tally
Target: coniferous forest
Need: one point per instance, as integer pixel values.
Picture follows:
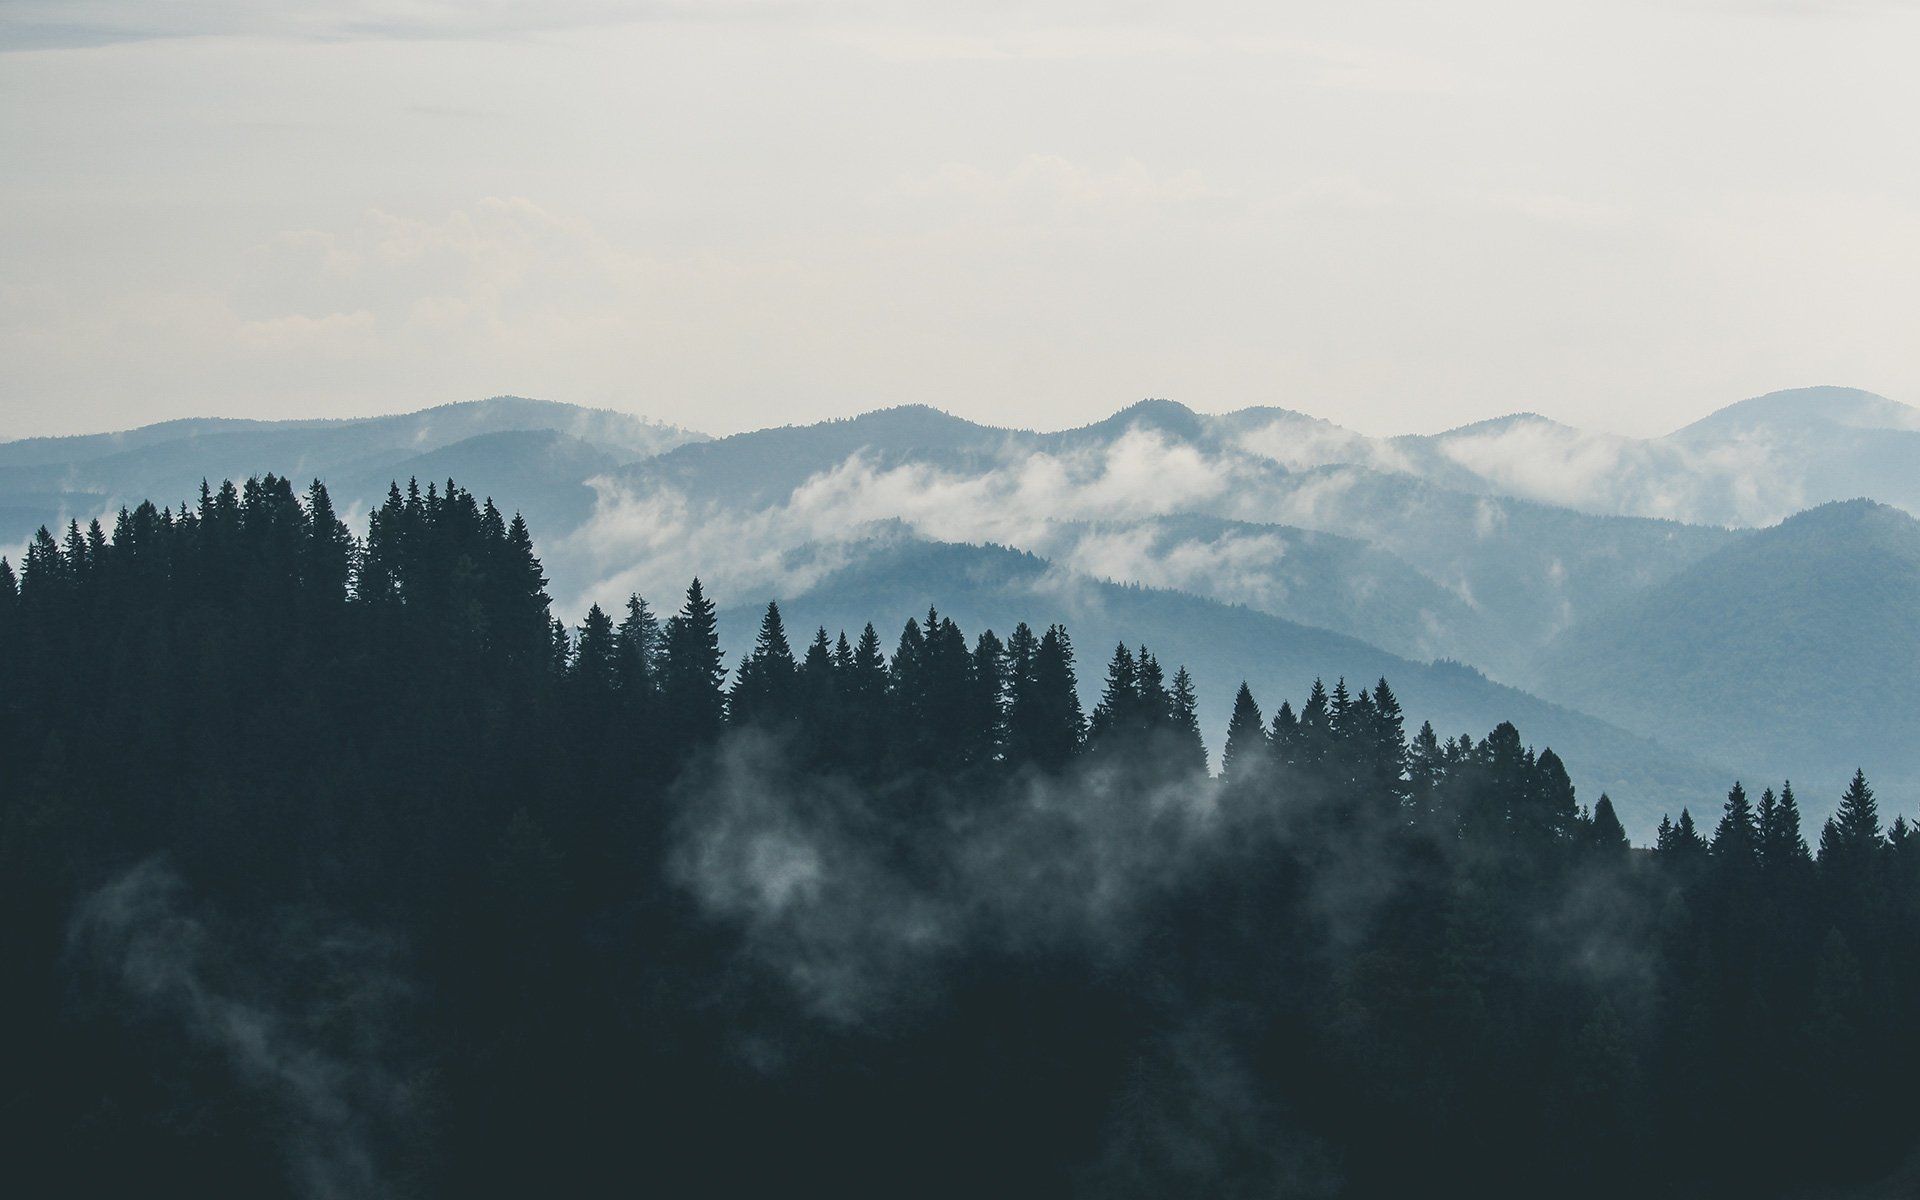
(337, 866)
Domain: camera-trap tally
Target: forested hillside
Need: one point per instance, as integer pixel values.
(334, 865)
(1793, 645)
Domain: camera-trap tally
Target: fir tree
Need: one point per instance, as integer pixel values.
(692, 702)
(1604, 831)
(1190, 753)
(1852, 834)
(1246, 745)
(638, 643)
(765, 689)
(1781, 847)
(1736, 840)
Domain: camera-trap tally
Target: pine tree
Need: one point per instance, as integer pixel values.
(1190, 754)
(1852, 835)
(1426, 771)
(638, 644)
(986, 727)
(948, 733)
(1150, 684)
(1781, 847)
(1604, 832)
(1544, 811)
(765, 689)
(1314, 746)
(1387, 746)
(1284, 741)
(1736, 840)
(596, 660)
(865, 712)
(693, 706)
(521, 603)
(1246, 746)
(1687, 842)
(1045, 724)
(328, 558)
(1118, 715)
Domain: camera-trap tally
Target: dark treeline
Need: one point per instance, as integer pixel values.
(334, 866)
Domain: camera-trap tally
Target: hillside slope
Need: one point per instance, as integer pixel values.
(993, 587)
(1792, 649)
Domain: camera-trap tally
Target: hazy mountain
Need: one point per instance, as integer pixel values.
(1304, 575)
(1791, 650)
(1751, 463)
(1442, 546)
(1221, 644)
(48, 480)
(1474, 576)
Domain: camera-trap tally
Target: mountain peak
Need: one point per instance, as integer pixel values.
(1837, 516)
(1798, 407)
(1166, 416)
(1518, 420)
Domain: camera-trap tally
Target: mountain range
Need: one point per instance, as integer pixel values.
(1737, 598)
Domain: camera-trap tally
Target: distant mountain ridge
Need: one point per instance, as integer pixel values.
(1545, 556)
(1793, 646)
(52, 480)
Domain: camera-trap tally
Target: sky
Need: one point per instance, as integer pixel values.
(1401, 216)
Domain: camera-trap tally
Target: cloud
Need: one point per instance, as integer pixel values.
(138, 937)
(794, 859)
(651, 538)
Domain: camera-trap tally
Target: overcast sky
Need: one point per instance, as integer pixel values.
(732, 213)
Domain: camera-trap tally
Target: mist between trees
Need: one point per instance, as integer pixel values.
(335, 866)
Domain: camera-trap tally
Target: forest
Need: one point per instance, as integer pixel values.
(334, 865)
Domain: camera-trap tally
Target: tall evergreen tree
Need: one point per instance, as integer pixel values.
(638, 642)
(766, 687)
(328, 560)
(693, 706)
(1119, 715)
(1190, 752)
(986, 727)
(1777, 826)
(1736, 840)
(1045, 724)
(1852, 835)
(1605, 833)
(1246, 745)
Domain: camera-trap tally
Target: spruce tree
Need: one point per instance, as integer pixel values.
(328, 558)
(986, 726)
(1852, 836)
(1604, 832)
(1545, 811)
(1426, 771)
(693, 706)
(1246, 746)
(765, 689)
(596, 660)
(1284, 742)
(1736, 840)
(1150, 683)
(1045, 724)
(1190, 754)
(1782, 849)
(1118, 714)
(638, 644)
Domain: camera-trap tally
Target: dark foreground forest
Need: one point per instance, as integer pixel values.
(338, 868)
